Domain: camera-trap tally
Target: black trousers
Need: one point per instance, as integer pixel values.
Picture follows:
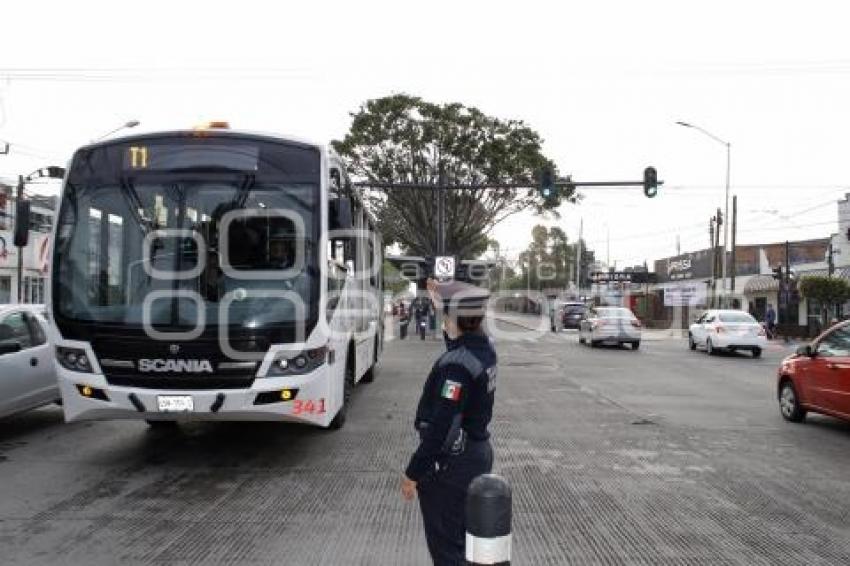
(442, 499)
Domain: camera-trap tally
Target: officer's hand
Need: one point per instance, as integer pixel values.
(408, 488)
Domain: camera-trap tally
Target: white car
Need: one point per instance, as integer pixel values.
(27, 370)
(610, 325)
(728, 330)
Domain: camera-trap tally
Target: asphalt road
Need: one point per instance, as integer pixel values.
(659, 456)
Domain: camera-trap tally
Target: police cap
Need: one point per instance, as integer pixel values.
(459, 298)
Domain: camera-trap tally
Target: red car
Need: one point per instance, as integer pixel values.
(817, 377)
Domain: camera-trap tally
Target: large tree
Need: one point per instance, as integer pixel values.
(549, 261)
(404, 139)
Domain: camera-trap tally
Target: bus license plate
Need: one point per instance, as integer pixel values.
(175, 403)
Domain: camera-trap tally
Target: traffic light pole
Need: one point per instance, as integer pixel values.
(19, 196)
(650, 185)
(495, 186)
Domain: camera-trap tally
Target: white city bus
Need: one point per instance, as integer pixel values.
(210, 274)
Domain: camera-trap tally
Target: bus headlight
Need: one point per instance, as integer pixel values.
(74, 359)
(302, 362)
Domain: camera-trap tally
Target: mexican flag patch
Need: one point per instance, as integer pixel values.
(451, 390)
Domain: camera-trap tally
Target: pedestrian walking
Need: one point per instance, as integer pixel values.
(452, 417)
(403, 320)
(421, 313)
(770, 319)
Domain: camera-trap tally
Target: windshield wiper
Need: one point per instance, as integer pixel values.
(244, 190)
(135, 203)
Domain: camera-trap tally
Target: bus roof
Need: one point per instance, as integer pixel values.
(210, 132)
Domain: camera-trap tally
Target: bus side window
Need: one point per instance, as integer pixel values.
(335, 179)
(370, 264)
(350, 246)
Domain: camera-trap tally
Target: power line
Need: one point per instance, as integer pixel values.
(116, 75)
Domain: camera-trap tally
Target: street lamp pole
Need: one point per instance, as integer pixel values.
(728, 178)
(126, 125)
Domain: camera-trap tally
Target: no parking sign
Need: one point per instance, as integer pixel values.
(444, 267)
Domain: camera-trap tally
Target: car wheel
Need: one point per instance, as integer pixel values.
(756, 352)
(594, 344)
(581, 339)
(709, 348)
(789, 404)
(691, 344)
(635, 345)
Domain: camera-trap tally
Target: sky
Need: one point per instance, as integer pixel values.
(602, 82)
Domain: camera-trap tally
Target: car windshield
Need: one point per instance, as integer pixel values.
(614, 313)
(739, 317)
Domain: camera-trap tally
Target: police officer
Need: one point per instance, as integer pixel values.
(451, 419)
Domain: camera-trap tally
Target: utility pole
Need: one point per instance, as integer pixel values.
(726, 214)
(733, 272)
(579, 254)
(713, 259)
(830, 260)
(786, 291)
(18, 199)
(721, 256)
(441, 214)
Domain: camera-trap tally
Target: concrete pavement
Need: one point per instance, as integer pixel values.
(659, 456)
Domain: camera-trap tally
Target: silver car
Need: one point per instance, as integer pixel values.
(610, 325)
(27, 372)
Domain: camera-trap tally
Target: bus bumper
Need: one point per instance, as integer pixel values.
(314, 402)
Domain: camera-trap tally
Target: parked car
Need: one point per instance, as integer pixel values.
(572, 313)
(610, 325)
(728, 330)
(27, 372)
(817, 377)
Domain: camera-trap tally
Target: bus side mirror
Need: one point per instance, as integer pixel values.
(339, 216)
(22, 222)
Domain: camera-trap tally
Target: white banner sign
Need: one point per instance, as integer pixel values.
(689, 295)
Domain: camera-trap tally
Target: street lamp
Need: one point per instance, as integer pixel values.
(126, 125)
(728, 169)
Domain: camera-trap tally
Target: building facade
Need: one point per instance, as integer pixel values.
(36, 255)
(687, 285)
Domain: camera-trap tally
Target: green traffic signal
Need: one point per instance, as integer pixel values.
(650, 182)
(547, 184)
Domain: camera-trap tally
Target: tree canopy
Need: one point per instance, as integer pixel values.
(549, 261)
(827, 291)
(404, 139)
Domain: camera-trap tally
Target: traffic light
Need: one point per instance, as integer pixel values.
(547, 184)
(777, 272)
(650, 182)
(22, 222)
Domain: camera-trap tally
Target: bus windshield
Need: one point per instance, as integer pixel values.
(186, 244)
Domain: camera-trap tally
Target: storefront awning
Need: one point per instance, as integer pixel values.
(761, 284)
(767, 283)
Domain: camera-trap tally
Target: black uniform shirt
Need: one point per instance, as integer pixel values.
(460, 389)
